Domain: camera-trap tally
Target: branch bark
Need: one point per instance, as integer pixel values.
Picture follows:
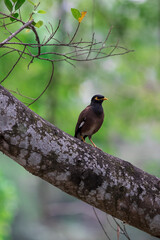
(104, 181)
(16, 32)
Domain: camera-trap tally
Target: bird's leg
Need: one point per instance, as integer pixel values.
(92, 142)
(82, 139)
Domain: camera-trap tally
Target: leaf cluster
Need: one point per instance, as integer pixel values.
(14, 6)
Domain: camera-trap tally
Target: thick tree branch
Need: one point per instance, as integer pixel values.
(104, 181)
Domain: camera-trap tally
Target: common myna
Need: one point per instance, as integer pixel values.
(90, 119)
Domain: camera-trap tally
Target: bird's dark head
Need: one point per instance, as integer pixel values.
(98, 99)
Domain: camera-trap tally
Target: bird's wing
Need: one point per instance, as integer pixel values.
(81, 120)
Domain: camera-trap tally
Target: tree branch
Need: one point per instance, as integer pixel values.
(16, 32)
(31, 27)
(104, 181)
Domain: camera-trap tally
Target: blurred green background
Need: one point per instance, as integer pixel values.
(31, 209)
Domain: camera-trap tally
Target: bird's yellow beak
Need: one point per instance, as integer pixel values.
(105, 98)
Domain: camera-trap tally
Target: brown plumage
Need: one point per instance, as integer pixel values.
(90, 119)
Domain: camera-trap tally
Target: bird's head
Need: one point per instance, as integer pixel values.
(98, 99)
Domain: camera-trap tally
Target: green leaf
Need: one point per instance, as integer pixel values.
(14, 15)
(39, 24)
(8, 5)
(14, 1)
(32, 2)
(42, 11)
(19, 4)
(33, 23)
(76, 13)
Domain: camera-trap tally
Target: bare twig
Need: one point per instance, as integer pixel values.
(30, 62)
(16, 32)
(110, 223)
(124, 232)
(7, 53)
(116, 46)
(74, 33)
(13, 66)
(16, 37)
(45, 87)
(82, 49)
(103, 44)
(90, 46)
(32, 28)
(53, 33)
(18, 93)
(70, 63)
(37, 39)
(101, 224)
(8, 24)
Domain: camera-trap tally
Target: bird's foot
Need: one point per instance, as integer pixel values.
(82, 139)
(99, 148)
(94, 144)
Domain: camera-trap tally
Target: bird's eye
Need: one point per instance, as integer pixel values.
(96, 98)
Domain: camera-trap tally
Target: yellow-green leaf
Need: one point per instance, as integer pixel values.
(42, 11)
(32, 2)
(76, 13)
(39, 24)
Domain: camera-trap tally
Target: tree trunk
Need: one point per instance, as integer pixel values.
(104, 181)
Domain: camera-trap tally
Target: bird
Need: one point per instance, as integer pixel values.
(90, 119)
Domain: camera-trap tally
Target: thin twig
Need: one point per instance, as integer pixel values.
(72, 45)
(70, 63)
(30, 62)
(116, 46)
(8, 24)
(3, 17)
(90, 47)
(7, 53)
(109, 32)
(73, 57)
(53, 33)
(37, 39)
(16, 32)
(110, 224)
(123, 231)
(13, 66)
(101, 224)
(16, 37)
(45, 87)
(18, 93)
(75, 33)
(32, 28)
